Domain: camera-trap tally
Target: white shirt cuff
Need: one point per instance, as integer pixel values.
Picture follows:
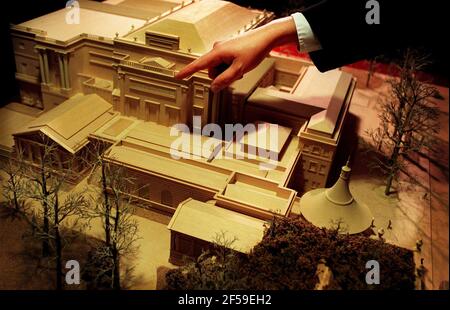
(307, 41)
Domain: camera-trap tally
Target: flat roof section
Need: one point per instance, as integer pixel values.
(283, 102)
(92, 22)
(266, 136)
(174, 169)
(195, 146)
(10, 122)
(255, 196)
(204, 221)
(245, 85)
(326, 90)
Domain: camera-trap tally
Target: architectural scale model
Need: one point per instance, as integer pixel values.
(110, 78)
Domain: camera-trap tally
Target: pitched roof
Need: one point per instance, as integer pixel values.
(70, 123)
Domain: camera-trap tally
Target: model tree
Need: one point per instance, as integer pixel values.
(41, 184)
(72, 206)
(408, 119)
(44, 185)
(115, 211)
(14, 188)
(39, 190)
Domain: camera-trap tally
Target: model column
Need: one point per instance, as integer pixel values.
(121, 84)
(43, 64)
(64, 70)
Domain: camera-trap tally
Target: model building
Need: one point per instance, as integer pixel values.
(109, 79)
(118, 79)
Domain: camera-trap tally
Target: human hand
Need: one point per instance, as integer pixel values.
(229, 60)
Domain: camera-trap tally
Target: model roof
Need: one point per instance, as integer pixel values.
(157, 162)
(93, 21)
(326, 90)
(245, 85)
(318, 97)
(11, 120)
(70, 123)
(155, 6)
(204, 221)
(200, 24)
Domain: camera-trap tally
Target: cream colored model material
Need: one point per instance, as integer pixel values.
(330, 207)
(192, 28)
(11, 121)
(266, 137)
(196, 221)
(112, 78)
(91, 22)
(70, 123)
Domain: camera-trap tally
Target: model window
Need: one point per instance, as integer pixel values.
(312, 167)
(199, 92)
(316, 150)
(322, 169)
(23, 68)
(166, 198)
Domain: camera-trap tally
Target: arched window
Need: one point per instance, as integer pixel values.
(166, 198)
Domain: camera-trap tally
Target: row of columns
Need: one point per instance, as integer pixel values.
(63, 67)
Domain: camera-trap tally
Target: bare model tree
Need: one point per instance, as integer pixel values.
(408, 119)
(115, 210)
(73, 206)
(14, 189)
(39, 188)
(42, 183)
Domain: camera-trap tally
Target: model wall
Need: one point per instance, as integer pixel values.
(166, 194)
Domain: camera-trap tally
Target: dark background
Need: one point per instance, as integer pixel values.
(18, 11)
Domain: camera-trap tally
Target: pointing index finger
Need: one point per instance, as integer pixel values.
(203, 62)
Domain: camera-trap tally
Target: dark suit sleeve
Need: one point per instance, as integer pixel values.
(346, 37)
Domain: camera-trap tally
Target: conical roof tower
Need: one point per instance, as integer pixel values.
(326, 207)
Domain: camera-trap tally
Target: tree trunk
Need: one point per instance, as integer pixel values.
(14, 188)
(46, 224)
(45, 244)
(107, 207)
(387, 190)
(393, 169)
(115, 252)
(116, 270)
(16, 201)
(58, 247)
